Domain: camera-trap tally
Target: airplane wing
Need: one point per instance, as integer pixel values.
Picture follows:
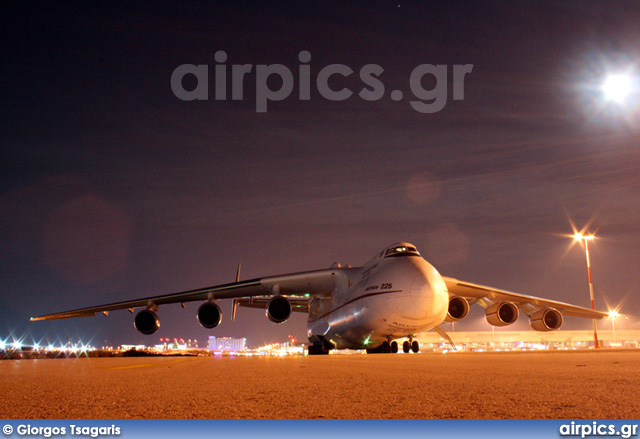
(486, 296)
(299, 286)
(298, 303)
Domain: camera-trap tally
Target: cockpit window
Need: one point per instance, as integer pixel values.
(401, 250)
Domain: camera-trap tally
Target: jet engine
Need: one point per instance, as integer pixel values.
(279, 310)
(458, 309)
(546, 320)
(502, 314)
(209, 315)
(147, 322)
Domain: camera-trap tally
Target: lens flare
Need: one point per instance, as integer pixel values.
(617, 87)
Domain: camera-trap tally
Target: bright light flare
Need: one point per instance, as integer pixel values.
(579, 237)
(613, 314)
(617, 87)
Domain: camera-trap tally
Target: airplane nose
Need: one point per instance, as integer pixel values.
(420, 294)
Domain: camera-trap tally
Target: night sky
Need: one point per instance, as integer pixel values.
(112, 188)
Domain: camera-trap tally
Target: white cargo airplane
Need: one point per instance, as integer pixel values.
(395, 295)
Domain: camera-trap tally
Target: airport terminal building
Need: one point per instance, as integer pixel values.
(226, 344)
(528, 340)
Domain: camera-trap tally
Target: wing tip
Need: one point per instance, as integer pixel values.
(39, 318)
(61, 316)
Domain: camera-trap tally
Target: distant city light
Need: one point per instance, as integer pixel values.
(617, 87)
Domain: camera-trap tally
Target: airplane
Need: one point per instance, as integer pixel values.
(394, 296)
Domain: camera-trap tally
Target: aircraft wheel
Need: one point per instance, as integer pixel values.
(406, 347)
(415, 347)
(394, 347)
(317, 349)
(384, 348)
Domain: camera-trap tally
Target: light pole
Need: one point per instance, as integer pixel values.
(613, 315)
(586, 238)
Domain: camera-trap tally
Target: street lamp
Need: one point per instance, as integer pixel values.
(613, 315)
(586, 238)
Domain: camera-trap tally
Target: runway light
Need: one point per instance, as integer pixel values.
(617, 87)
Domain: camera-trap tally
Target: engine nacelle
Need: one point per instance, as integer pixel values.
(502, 314)
(209, 315)
(146, 321)
(458, 309)
(546, 320)
(279, 310)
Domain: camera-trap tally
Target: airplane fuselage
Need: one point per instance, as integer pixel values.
(388, 298)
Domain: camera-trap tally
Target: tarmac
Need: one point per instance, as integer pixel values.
(561, 384)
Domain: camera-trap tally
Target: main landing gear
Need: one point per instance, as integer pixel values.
(410, 346)
(392, 347)
(321, 348)
(384, 348)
